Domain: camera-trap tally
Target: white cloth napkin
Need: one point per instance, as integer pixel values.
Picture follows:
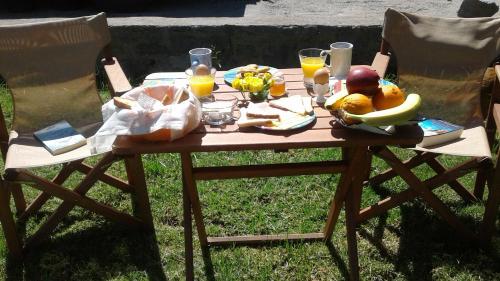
(146, 116)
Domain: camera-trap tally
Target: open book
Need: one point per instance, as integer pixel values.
(438, 131)
(60, 137)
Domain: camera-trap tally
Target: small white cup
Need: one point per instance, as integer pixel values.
(340, 59)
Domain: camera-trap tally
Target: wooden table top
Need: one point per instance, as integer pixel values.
(321, 133)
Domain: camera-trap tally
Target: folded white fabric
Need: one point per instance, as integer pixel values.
(148, 114)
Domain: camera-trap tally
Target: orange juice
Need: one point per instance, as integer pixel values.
(310, 65)
(201, 85)
(278, 88)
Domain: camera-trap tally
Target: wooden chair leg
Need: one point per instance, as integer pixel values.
(491, 210)
(8, 225)
(19, 200)
(481, 179)
(140, 198)
(106, 178)
(76, 197)
(454, 184)
(70, 199)
(426, 194)
(411, 163)
(40, 200)
(397, 199)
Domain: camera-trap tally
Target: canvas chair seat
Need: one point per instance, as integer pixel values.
(473, 142)
(27, 152)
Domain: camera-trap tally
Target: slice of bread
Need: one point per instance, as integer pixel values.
(290, 119)
(247, 121)
(292, 103)
(123, 103)
(262, 110)
(307, 101)
(242, 123)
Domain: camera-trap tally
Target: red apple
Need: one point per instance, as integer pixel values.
(362, 79)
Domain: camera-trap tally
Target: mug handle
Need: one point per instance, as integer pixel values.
(328, 53)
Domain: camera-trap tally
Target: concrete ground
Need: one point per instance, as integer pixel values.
(242, 13)
(240, 32)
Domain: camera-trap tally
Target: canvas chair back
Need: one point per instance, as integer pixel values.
(443, 60)
(50, 71)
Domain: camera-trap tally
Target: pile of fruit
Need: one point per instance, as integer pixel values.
(254, 79)
(365, 101)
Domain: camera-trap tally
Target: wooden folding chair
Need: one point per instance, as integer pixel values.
(444, 60)
(50, 70)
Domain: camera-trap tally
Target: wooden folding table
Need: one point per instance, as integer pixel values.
(322, 133)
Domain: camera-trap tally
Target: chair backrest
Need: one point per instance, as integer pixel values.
(50, 70)
(443, 60)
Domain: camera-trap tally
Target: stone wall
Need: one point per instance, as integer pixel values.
(146, 49)
(243, 31)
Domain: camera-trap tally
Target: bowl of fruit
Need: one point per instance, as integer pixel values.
(369, 100)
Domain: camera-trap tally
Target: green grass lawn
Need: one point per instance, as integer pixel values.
(408, 243)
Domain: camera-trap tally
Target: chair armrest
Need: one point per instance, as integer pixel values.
(380, 63)
(497, 71)
(496, 115)
(117, 81)
(496, 106)
(4, 135)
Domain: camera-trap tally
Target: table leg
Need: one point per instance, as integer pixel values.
(140, 198)
(190, 183)
(357, 158)
(352, 243)
(340, 194)
(188, 232)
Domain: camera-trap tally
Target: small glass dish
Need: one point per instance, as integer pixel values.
(220, 110)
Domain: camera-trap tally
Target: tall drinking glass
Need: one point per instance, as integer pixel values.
(311, 60)
(200, 56)
(201, 85)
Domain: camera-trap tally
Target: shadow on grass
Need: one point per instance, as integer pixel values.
(96, 253)
(337, 259)
(209, 267)
(428, 247)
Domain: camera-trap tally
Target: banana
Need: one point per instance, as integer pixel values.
(391, 116)
(335, 100)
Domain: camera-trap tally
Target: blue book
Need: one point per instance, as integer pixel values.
(438, 131)
(60, 138)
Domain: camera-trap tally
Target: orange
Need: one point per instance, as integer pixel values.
(387, 97)
(357, 104)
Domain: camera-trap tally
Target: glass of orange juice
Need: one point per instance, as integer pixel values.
(311, 60)
(201, 84)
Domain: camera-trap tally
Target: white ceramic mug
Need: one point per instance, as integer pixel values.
(340, 59)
